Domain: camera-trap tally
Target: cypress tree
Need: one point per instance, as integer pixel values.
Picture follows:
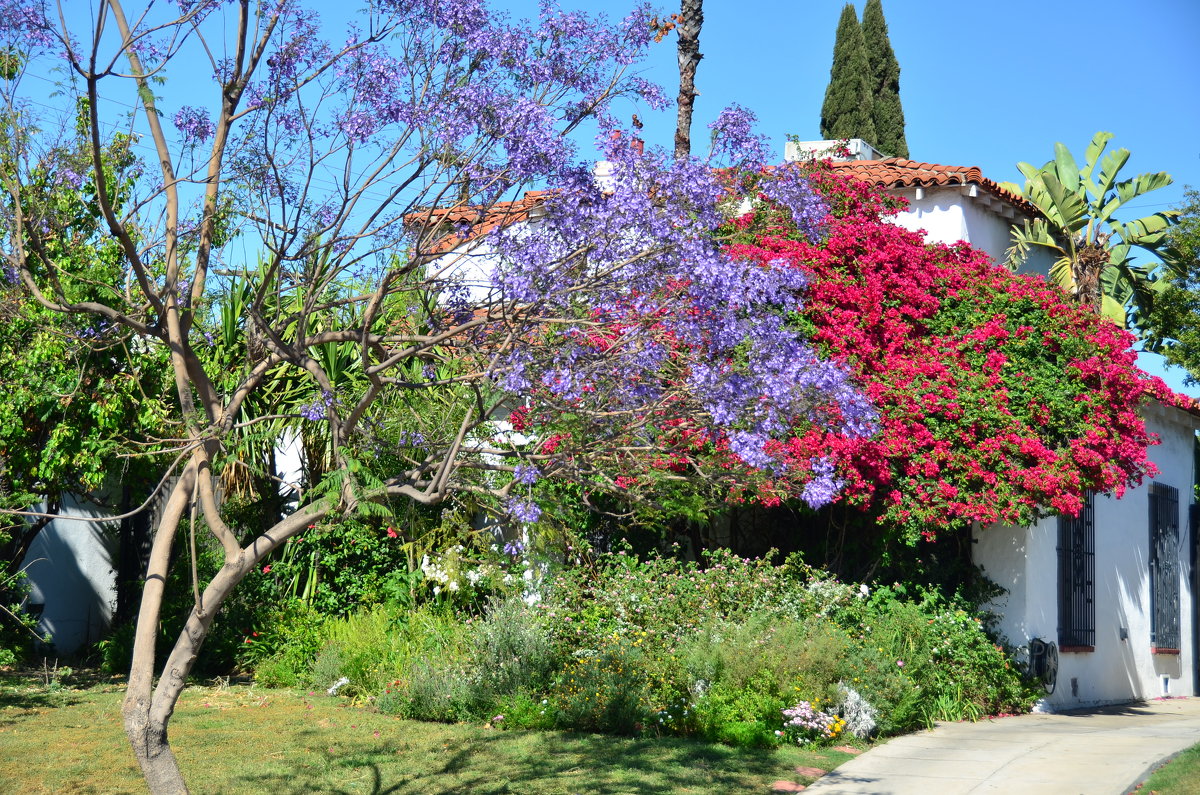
(886, 113)
(847, 110)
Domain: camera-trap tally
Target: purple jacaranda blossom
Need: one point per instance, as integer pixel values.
(526, 473)
(25, 26)
(319, 408)
(823, 486)
(523, 510)
(789, 190)
(194, 125)
(734, 139)
(411, 439)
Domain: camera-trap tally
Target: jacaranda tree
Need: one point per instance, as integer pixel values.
(320, 187)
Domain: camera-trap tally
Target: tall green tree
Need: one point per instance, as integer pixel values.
(886, 113)
(1175, 320)
(848, 109)
(1094, 250)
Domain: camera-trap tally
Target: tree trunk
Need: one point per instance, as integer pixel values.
(148, 708)
(146, 726)
(691, 13)
(1089, 265)
(154, 754)
(146, 718)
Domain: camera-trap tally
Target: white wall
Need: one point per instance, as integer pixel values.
(1024, 561)
(948, 215)
(71, 568)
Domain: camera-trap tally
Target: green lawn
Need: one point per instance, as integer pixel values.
(1180, 776)
(242, 739)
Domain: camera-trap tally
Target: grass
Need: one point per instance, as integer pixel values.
(241, 739)
(1180, 776)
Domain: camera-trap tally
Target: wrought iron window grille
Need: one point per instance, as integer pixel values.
(1077, 578)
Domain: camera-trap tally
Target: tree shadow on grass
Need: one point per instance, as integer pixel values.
(19, 695)
(531, 762)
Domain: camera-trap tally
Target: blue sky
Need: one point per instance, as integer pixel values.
(986, 84)
(982, 84)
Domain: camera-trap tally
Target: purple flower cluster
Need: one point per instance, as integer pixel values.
(318, 409)
(24, 25)
(526, 473)
(194, 125)
(824, 485)
(522, 510)
(734, 140)
(808, 209)
(410, 439)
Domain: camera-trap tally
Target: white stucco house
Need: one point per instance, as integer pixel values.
(1113, 590)
(1112, 595)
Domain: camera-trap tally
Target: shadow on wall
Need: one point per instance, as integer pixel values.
(1130, 592)
(70, 566)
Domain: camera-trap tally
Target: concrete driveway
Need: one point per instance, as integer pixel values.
(1093, 752)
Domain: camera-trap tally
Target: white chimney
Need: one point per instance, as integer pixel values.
(813, 150)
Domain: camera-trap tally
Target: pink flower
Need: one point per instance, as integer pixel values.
(392, 533)
(900, 663)
(266, 569)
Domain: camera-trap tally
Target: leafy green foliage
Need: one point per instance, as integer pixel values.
(1094, 250)
(658, 646)
(79, 395)
(1175, 320)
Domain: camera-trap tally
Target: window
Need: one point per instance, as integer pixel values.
(1077, 579)
(1164, 568)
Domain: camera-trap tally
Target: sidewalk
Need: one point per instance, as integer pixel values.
(1107, 750)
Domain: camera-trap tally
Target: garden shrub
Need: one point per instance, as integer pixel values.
(369, 646)
(929, 657)
(746, 715)
(438, 689)
(662, 646)
(512, 649)
(281, 649)
(604, 689)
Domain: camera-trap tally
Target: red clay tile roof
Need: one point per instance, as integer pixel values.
(437, 222)
(897, 172)
(894, 172)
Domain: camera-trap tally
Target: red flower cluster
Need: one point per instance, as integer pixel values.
(997, 398)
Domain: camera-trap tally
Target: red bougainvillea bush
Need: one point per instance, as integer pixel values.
(998, 399)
